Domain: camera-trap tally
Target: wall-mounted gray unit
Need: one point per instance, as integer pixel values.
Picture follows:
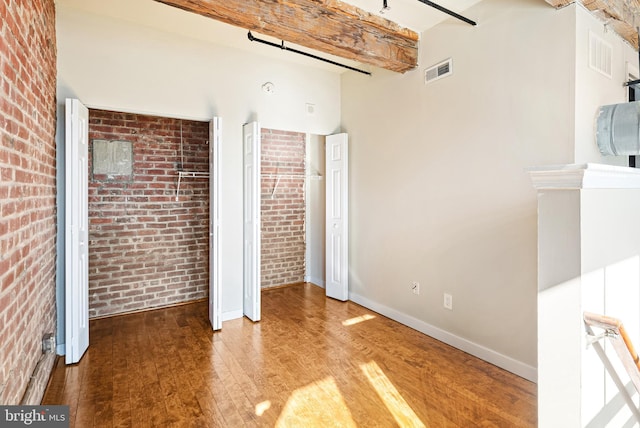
(618, 129)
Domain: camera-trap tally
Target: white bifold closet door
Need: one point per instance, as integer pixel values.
(337, 217)
(215, 291)
(251, 220)
(76, 231)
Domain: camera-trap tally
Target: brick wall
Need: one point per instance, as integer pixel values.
(283, 211)
(146, 249)
(27, 195)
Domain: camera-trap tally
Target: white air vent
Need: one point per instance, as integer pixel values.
(600, 55)
(438, 71)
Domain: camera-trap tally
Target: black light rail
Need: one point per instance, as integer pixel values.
(286, 48)
(448, 12)
(635, 82)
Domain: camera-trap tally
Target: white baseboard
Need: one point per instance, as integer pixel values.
(315, 280)
(232, 315)
(61, 349)
(507, 363)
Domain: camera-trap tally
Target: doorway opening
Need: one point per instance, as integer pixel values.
(336, 216)
(148, 242)
(292, 209)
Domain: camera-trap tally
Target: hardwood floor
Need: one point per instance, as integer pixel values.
(311, 361)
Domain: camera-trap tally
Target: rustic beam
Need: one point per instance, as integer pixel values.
(328, 26)
(623, 16)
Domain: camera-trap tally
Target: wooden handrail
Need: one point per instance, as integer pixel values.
(624, 348)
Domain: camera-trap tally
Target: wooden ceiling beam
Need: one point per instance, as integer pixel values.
(328, 26)
(623, 16)
(560, 3)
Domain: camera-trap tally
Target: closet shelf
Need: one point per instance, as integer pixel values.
(189, 174)
(279, 176)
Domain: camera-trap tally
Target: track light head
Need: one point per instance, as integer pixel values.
(385, 7)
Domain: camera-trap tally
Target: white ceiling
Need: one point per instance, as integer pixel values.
(408, 13)
(412, 13)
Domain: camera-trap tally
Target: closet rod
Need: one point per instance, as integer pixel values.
(448, 12)
(290, 175)
(286, 48)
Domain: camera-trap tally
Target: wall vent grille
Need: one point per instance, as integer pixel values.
(438, 71)
(600, 55)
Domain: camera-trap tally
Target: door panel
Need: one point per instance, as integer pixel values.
(337, 217)
(251, 219)
(215, 292)
(76, 231)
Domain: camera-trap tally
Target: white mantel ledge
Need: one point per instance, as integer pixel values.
(584, 176)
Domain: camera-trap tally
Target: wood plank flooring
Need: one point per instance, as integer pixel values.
(310, 362)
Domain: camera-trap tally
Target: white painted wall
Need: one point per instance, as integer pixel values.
(439, 192)
(589, 259)
(594, 89)
(116, 64)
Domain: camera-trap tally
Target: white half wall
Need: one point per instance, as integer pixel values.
(117, 64)
(589, 250)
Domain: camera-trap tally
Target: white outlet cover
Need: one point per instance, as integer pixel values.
(415, 287)
(311, 109)
(448, 301)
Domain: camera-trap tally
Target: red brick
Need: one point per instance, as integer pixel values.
(283, 213)
(26, 242)
(130, 220)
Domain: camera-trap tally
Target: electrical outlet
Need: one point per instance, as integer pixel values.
(448, 301)
(415, 287)
(48, 343)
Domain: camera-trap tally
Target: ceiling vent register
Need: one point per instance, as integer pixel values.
(438, 71)
(600, 55)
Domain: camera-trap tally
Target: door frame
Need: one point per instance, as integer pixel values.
(336, 218)
(215, 265)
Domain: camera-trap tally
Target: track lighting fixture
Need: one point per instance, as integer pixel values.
(385, 7)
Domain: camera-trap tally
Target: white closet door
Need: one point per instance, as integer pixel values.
(251, 219)
(337, 217)
(215, 292)
(76, 231)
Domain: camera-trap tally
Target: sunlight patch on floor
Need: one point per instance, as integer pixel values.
(357, 320)
(399, 408)
(262, 407)
(318, 404)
